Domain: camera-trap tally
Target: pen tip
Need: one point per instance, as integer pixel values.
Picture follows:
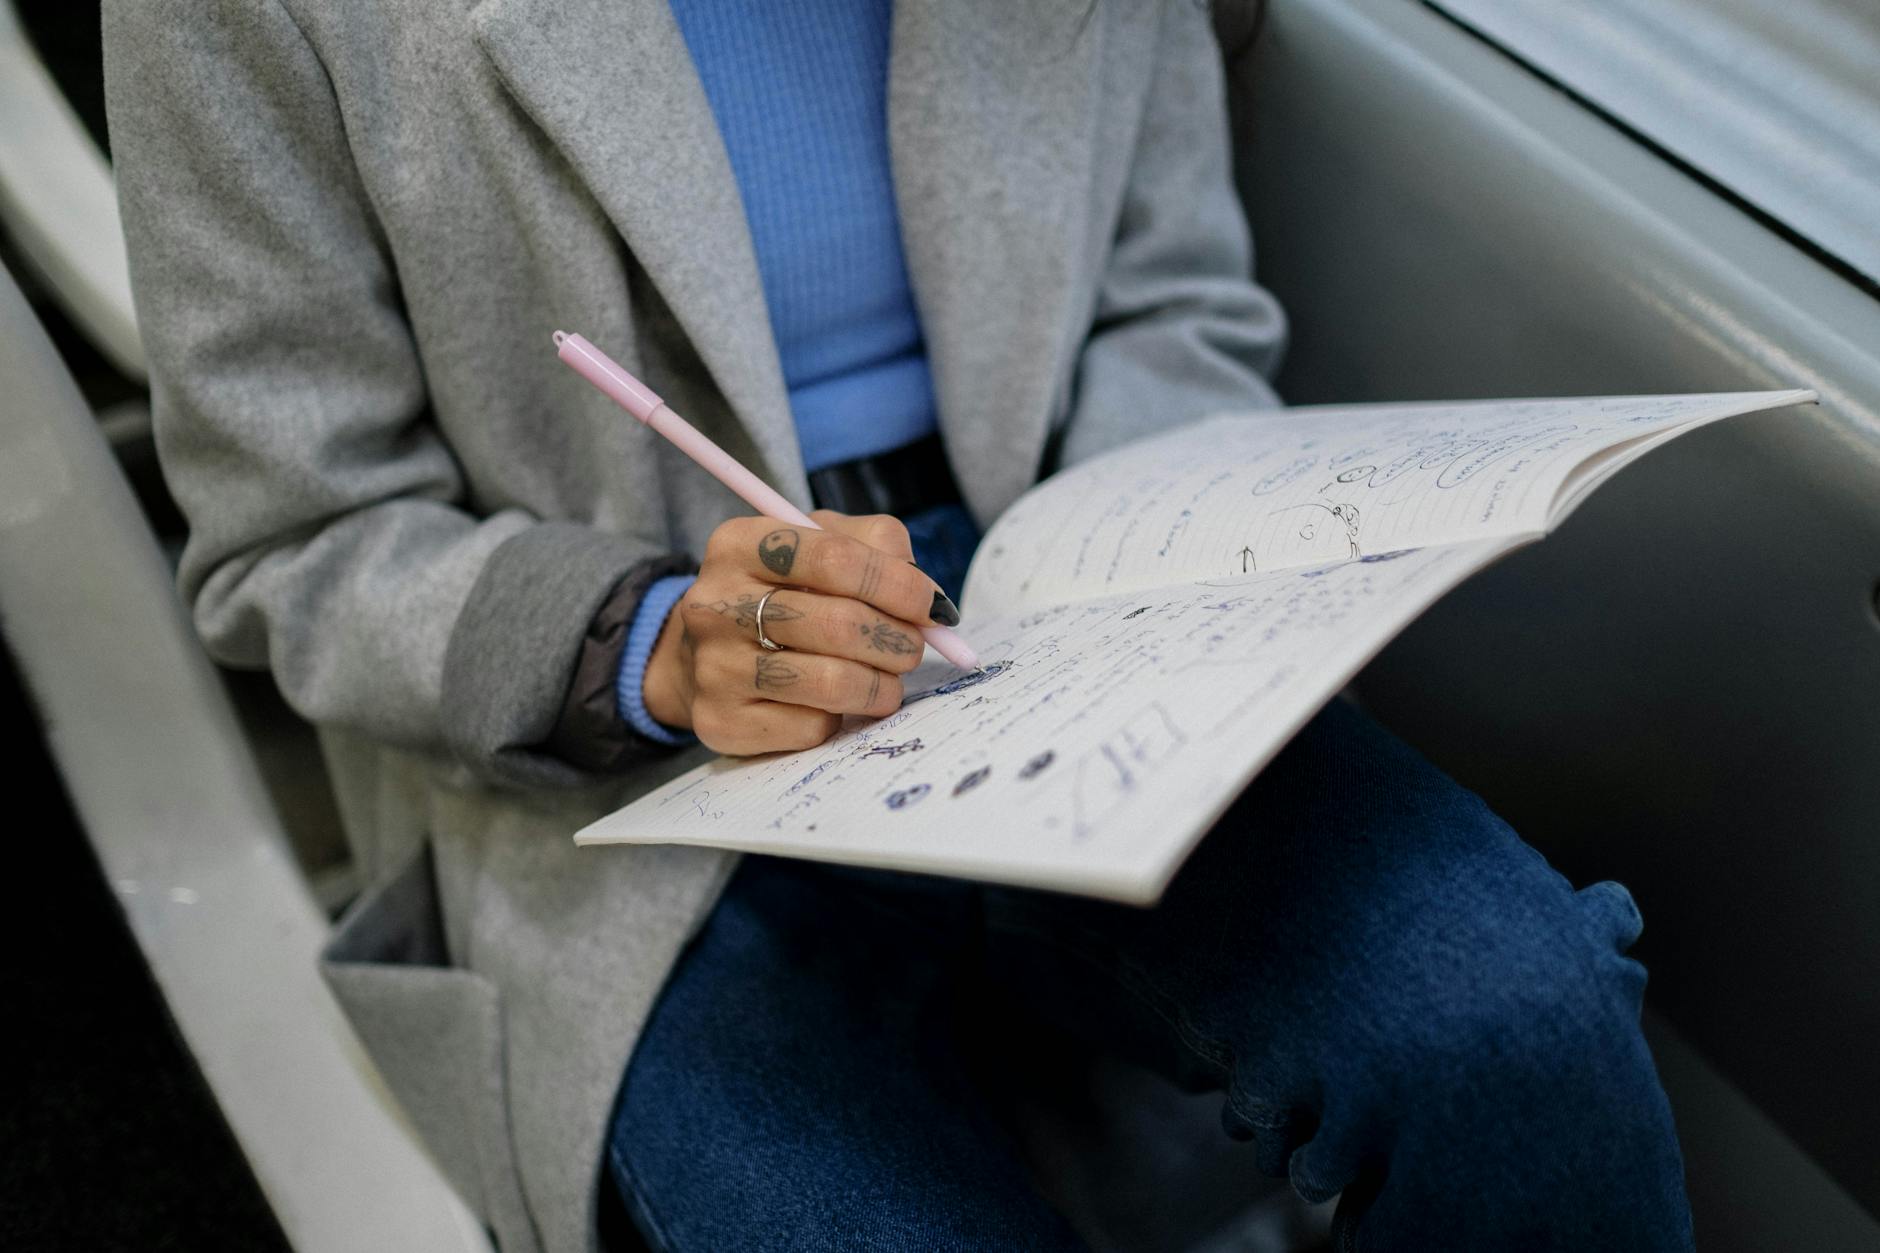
(558, 336)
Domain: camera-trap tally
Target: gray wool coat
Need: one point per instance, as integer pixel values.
(353, 225)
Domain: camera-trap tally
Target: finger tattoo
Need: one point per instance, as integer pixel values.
(777, 550)
(871, 576)
(774, 673)
(886, 639)
(743, 610)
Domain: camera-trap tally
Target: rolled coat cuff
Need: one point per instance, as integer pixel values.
(533, 655)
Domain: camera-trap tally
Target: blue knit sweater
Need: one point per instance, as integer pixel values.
(799, 88)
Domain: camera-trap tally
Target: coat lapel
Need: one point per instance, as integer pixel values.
(992, 111)
(611, 83)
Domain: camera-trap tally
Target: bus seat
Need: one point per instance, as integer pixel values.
(170, 798)
(1676, 690)
(59, 204)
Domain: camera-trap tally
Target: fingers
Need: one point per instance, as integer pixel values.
(877, 530)
(834, 684)
(837, 626)
(845, 604)
(834, 563)
(756, 701)
(730, 670)
(833, 625)
(745, 728)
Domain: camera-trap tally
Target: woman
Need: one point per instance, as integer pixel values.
(831, 237)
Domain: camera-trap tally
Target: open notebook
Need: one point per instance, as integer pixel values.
(1156, 623)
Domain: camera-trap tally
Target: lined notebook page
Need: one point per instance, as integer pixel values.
(1104, 742)
(1280, 489)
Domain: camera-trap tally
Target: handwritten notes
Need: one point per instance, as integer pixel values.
(1157, 623)
(1268, 491)
(1105, 738)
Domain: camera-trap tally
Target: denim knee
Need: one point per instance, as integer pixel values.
(1525, 1066)
(1539, 1001)
(1536, 1086)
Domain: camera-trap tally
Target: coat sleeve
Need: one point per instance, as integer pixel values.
(1181, 330)
(328, 538)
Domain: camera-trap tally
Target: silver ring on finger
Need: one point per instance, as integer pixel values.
(763, 639)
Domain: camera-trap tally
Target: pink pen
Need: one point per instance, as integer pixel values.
(639, 400)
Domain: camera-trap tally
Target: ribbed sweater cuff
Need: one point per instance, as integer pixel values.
(648, 619)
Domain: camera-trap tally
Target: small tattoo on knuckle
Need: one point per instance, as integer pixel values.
(774, 673)
(871, 576)
(777, 551)
(743, 611)
(885, 638)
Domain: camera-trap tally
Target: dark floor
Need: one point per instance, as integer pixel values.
(108, 1136)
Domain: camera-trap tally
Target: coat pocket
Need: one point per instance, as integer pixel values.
(435, 1033)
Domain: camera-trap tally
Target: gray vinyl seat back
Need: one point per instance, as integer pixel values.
(1679, 689)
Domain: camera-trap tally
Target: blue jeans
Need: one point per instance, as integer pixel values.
(1399, 1000)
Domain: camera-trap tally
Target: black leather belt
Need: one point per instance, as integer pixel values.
(902, 482)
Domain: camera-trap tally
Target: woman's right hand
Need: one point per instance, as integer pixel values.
(847, 606)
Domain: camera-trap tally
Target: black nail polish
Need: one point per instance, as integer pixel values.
(944, 611)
